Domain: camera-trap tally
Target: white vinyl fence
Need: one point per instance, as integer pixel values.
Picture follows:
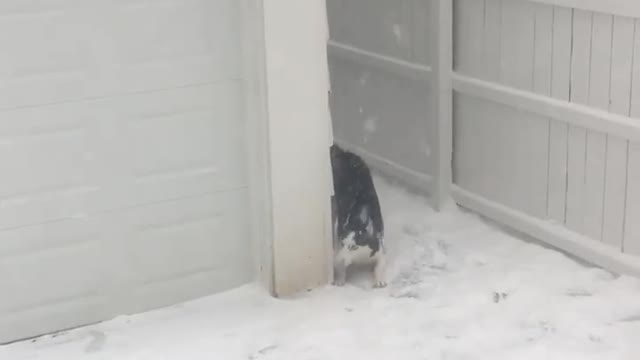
(544, 120)
(547, 121)
(386, 76)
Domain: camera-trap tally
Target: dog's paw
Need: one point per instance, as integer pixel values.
(380, 284)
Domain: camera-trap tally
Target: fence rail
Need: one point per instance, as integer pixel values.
(629, 8)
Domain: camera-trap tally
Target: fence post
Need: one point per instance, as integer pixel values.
(443, 67)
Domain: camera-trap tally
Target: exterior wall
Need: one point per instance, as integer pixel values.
(296, 102)
(384, 90)
(547, 122)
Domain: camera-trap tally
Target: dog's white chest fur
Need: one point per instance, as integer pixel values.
(350, 253)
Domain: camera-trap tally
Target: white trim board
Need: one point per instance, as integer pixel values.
(575, 114)
(420, 182)
(257, 135)
(297, 102)
(557, 236)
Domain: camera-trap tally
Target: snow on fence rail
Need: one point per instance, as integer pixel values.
(547, 121)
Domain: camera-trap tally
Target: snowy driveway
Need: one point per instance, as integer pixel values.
(459, 289)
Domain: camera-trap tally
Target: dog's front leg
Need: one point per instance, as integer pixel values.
(379, 271)
(340, 271)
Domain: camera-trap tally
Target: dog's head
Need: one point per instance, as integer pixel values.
(336, 155)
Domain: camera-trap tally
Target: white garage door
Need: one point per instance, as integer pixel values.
(122, 161)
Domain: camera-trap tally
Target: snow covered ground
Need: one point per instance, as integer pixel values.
(459, 289)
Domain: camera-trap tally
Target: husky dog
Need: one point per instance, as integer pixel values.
(358, 225)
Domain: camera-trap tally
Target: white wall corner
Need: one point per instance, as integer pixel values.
(298, 127)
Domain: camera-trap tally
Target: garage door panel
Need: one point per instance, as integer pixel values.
(52, 59)
(188, 47)
(182, 249)
(21, 7)
(60, 161)
(170, 250)
(48, 206)
(52, 317)
(47, 176)
(154, 141)
(79, 50)
(191, 286)
(207, 230)
(181, 141)
(43, 119)
(173, 186)
(215, 225)
(49, 161)
(124, 261)
(64, 272)
(177, 28)
(19, 242)
(53, 277)
(44, 162)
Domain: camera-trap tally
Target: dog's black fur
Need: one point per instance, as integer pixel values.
(356, 201)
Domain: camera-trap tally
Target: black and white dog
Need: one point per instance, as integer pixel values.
(358, 224)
